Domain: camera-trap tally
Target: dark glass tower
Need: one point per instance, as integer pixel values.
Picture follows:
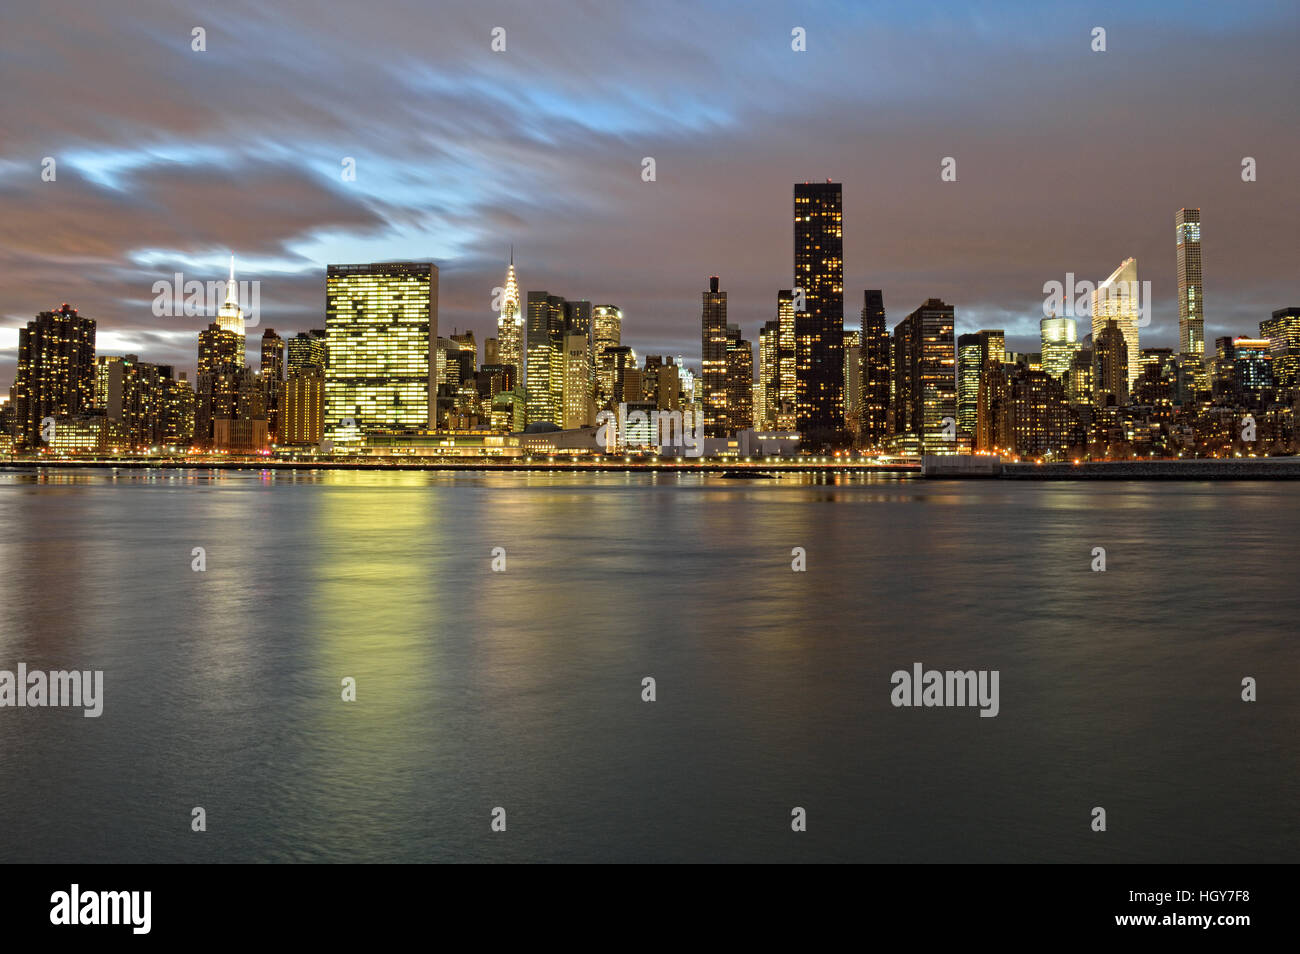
(819, 327)
(713, 364)
(875, 368)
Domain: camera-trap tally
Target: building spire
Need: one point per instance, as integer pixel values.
(512, 253)
(232, 297)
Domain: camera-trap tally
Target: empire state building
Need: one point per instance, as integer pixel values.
(230, 317)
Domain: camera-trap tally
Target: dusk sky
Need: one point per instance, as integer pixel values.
(1067, 160)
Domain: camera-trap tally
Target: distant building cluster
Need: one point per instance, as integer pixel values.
(380, 379)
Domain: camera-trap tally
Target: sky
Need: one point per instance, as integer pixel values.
(1068, 160)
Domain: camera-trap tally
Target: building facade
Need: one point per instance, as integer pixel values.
(819, 324)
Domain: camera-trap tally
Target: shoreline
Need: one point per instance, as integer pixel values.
(1261, 468)
(712, 467)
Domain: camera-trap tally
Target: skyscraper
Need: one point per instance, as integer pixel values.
(1058, 345)
(853, 378)
(993, 346)
(578, 315)
(767, 392)
(306, 348)
(1118, 299)
(606, 333)
(1110, 370)
(179, 406)
(272, 371)
(969, 365)
(993, 388)
(1033, 414)
(381, 321)
(468, 346)
(925, 377)
(55, 376)
(303, 414)
(272, 364)
(1283, 332)
(510, 324)
(819, 326)
(713, 364)
(875, 368)
(785, 403)
(219, 346)
(1252, 366)
(577, 380)
(230, 317)
(1191, 303)
(740, 382)
(133, 394)
(545, 378)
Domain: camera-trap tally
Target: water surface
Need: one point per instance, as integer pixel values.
(522, 689)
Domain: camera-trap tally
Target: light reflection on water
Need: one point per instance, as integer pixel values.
(522, 688)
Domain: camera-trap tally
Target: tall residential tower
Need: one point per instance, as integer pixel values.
(819, 325)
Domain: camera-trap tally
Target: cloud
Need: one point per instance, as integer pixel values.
(1067, 160)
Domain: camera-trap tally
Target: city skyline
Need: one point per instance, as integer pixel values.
(508, 300)
(146, 187)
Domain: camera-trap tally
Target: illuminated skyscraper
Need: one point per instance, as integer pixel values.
(853, 378)
(1110, 370)
(875, 368)
(306, 348)
(132, 393)
(767, 392)
(272, 373)
(993, 346)
(784, 412)
(1191, 301)
(56, 371)
(219, 346)
(992, 391)
(230, 317)
(969, 364)
(1253, 364)
(577, 381)
(925, 376)
(510, 324)
(1118, 298)
(272, 365)
(545, 378)
(1034, 415)
(713, 364)
(819, 326)
(303, 414)
(578, 315)
(468, 346)
(1058, 344)
(606, 333)
(179, 407)
(381, 322)
(740, 382)
(1283, 332)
